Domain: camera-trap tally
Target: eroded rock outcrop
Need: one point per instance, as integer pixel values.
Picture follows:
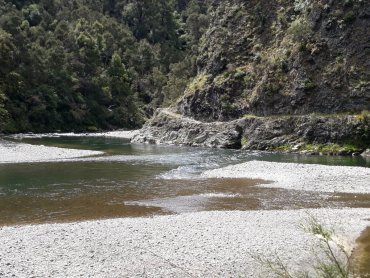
(282, 58)
(169, 128)
(285, 133)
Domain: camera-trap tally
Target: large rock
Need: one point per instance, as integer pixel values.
(169, 128)
(257, 133)
(293, 131)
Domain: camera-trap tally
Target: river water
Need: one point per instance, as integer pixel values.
(142, 180)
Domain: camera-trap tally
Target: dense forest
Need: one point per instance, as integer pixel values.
(90, 65)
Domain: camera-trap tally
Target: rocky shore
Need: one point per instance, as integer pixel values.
(308, 134)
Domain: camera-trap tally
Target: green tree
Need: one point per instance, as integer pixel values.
(3, 112)
(61, 61)
(119, 81)
(125, 111)
(7, 52)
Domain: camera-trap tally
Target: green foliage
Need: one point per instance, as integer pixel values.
(331, 148)
(244, 141)
(3, 112)
(32, 14)
(73, 65)
(178, 79)
(349, 17)
(364, 116)
(300, 30)
(338, 261)
(197, 83)
(309, 85)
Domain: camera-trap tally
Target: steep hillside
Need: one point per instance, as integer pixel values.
(88, 65)
(271, 74)
(282, 57)
(292, 74)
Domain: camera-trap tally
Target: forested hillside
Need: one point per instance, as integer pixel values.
(88, 65)
(93, 65)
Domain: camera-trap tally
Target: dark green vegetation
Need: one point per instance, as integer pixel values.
(88, 65)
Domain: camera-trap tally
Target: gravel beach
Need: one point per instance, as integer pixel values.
(123, 134)
(11, 152)
(204, 244)
(309, 177)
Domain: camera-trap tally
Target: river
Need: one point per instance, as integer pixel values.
(143, 180)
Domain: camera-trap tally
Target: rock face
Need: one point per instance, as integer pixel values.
(366, 153)
(167, 127)
(293, 132)
(276, 74)
(282, 57)
(254, 133)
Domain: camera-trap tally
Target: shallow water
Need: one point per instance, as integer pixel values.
(141, 180)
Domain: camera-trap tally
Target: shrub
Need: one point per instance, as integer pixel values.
(300, 30)
(198, 83)
(336, 261)
(349, 17)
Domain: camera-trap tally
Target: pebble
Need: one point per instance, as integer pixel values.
(220, 246)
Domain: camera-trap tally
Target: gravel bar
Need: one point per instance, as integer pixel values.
(123, 134)
(204, 244)
(11, 152)
(309, 177)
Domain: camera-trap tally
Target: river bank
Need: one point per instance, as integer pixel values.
(18, 152)
(205, 244)
(12, 152)
(124, 134)
(296, 176)
(311, 134)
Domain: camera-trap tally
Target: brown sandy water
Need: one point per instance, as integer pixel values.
(161, 197)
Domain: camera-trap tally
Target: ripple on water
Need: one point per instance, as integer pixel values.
(183, 204)
(139, 180)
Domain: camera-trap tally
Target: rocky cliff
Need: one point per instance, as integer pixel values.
(276, 75)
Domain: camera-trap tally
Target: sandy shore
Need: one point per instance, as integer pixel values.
(205, 244)
(296, 176)
(11, 152)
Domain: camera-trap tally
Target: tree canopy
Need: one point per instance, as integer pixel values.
(87, 65)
